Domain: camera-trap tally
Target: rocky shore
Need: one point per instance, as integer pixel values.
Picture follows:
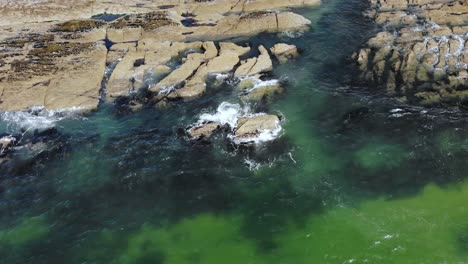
(136, 55)
(420, 54)
(48, 60)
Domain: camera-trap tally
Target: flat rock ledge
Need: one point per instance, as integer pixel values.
(421, 54)
(55, 56)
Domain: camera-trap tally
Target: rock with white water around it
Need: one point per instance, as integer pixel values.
(256, 129)
(261, 90)
(6, 143)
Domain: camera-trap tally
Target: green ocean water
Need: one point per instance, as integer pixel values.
(355, 177)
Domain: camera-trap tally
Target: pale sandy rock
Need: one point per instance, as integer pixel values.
(291, 21)
(460, 30)
(187, 69)
(224, 63)
(153, 45)
(427, 52)
(255, 66)
(114, 56)
(130, 46)
(363, 59)
(229, 47)
(94, 35)
(121, 80)
(382, 39)
(178, 76)
(196, 86)
(244, 69)
(284, 52)
(154, 24)
(268, 4)
(203, 130)
(211, 51)
(262, 90)
(77, 84)
(251, 127)
(124, 34)
(15, 12)
(263, 64)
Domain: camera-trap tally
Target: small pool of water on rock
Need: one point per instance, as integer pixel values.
(354, 177)
(107, 17)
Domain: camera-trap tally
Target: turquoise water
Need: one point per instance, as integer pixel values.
(355, 178)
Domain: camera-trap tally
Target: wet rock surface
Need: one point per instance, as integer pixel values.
(203, 130)
(421, 54)
(284, 52)
(19, 151)
(59, 60)
(250, 129)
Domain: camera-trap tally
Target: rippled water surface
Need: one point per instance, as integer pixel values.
(354, 178)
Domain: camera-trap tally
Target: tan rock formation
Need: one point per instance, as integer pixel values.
(59, 51)
(63, 76)
(250, 128)
(284, 52)
(422, 53)
(257, 65)
(203, 131)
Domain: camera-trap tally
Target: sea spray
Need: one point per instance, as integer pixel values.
(229, 114)
(37, 118)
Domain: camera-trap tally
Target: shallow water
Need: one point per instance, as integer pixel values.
(354, 178)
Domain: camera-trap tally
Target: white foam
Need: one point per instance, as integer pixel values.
(166, 90)
(263, 135)
(257, 83)
(252, 164)
(5, 142)
(221, 76)
(36, 117)
(261, 83)
(290, 34)
(226, 113)
(396, 110)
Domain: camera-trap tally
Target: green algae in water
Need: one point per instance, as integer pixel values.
(28, 230)
(206, 239)
(375, 156)
(428, 228)
(450, 142)
(83, 172)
